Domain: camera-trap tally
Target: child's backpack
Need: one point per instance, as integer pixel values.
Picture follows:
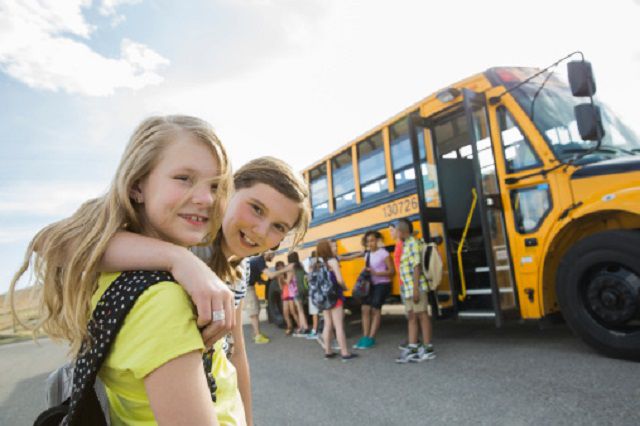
(431, 265)
(75, 394)
(322, 289)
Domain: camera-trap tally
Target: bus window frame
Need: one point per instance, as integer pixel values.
(542, 219)
(327, 201)
(423, 160)
(377, 178)
(539, 162)
(334, 195)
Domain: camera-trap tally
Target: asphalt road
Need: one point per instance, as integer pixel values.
(518, 375)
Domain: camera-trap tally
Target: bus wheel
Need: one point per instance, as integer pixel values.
(598, 287)
(274, 305)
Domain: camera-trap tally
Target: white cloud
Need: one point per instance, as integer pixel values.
(108, 7)
(36, 48)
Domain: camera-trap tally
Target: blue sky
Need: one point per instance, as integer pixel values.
(290, 78)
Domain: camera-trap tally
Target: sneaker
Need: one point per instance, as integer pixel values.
(312, 335)
(406, 355)
(351, 356)
(261, 339)
(361, 343)
(423, 353)
(404, 345)
(300, 333)
(368, 343)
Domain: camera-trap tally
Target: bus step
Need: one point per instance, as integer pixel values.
(486, 268)
(486, 291)
(476, 314)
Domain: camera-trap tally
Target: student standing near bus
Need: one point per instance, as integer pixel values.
(297, 278)
(257, 270)
(415, 296)
(313, 309)
(381, 268)
(334, 317)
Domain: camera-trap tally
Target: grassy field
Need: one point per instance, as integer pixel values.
(27, 308)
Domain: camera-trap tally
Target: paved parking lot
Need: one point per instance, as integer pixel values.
(518, 375)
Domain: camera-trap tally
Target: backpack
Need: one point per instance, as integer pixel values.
(323, 291)
(431, 265)
(363, 283)
(75, 396)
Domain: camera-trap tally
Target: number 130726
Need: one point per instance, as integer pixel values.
(400, 207)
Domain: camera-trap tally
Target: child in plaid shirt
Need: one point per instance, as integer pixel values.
(414, 291)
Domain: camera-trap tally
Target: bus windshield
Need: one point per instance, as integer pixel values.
(552, 113)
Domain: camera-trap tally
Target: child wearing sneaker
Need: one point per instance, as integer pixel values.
(414, 289)
(296, 278)
(382, 271)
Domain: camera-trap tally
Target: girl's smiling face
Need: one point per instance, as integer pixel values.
(372, 243)
(257, 219)
(178, 194)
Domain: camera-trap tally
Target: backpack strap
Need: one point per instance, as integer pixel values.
(106, 321)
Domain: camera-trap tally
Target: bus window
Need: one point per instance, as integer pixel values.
(530, 207)
(401, 153)
(319, 191)
(518, 153)
(373, 175)
(343, 184)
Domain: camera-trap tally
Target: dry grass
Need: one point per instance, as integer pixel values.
(27, 308)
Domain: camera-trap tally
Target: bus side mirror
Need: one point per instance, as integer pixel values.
(589, 122)
(581, 78)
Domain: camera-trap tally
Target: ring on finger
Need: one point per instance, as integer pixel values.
(218, 315)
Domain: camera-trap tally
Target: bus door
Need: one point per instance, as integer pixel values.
(489, 207)
(477, 258)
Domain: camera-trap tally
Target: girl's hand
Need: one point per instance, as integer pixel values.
(212, 333)
(208, 292)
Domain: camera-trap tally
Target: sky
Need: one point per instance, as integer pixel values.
(294, 79)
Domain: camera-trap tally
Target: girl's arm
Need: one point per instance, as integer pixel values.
(335, 267)
(241, 363)
(390, 272)
(179, 394)
(130, 251)
(351, 255)
(275, 274)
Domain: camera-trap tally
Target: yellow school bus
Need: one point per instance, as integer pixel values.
(535, 206)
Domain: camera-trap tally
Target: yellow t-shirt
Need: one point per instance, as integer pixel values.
(161, 326)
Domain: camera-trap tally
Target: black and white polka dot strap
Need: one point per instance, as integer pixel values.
(107, 318)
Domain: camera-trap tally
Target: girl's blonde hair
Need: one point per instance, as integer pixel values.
(65, 255)
(281, 177)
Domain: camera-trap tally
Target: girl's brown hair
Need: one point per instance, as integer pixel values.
(323, 249)
(65, 255)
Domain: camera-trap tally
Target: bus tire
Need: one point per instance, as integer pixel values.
(274, 305)
(598, 289)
